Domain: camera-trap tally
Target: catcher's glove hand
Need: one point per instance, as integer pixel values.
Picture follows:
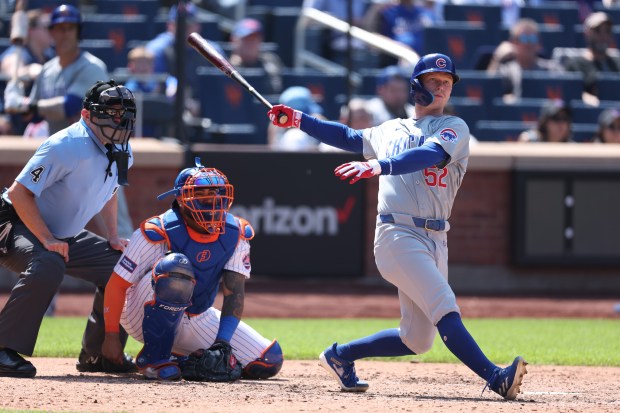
(217, 363)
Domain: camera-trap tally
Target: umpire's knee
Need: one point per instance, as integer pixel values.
(47, 270)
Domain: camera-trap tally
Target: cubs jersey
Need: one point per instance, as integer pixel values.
(428, 193)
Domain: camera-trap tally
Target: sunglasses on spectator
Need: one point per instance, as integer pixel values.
(560, 118)
(602, 29)
(525, 38)
(614, 127)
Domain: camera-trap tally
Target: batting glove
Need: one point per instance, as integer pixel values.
(14, 100)
(358, 170)
(284, 116)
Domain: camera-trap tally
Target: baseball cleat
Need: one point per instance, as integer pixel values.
(164, 372)
(507, 381)
(342, 370)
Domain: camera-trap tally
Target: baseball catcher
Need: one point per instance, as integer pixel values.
(163, 288)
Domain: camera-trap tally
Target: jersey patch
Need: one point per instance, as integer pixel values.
(36, 174)
(128, 264)
(448, 135)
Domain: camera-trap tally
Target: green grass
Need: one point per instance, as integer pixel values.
(587, 342)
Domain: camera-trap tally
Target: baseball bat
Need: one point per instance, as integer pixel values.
(208, 52)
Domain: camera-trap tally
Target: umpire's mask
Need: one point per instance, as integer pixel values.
(112, 109)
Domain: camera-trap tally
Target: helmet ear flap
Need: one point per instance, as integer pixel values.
(419, 94)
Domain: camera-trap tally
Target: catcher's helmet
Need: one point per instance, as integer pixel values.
(113, 108)
(435, 62)
(205, 194)
(65, 13)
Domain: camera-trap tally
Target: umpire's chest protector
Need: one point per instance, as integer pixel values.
(208, 259)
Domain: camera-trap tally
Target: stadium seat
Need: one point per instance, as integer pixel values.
(559, 13)
(279, 27)
(523, 110)
(584, 113)
(150, 8)
(49, 5)
(550, 37)
(478, 85)
(459, 40)
(608, 86)
(118, 28)
(209, 26)
(548, 85)
(112, 54)
(326, 88)
(487, 14)
(468, 109)
(584, 132)
(500, 130)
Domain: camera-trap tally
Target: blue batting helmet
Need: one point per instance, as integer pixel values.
(65, 13)
(435, 62)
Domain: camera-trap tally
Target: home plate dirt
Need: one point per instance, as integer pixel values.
(303, 386)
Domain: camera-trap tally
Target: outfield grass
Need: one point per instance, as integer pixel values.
(587, 342)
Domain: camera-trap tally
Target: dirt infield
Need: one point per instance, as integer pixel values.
(303, 386)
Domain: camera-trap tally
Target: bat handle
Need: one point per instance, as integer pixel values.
(282, 118)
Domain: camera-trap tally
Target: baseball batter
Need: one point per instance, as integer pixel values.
(421, 162)
(165, 301)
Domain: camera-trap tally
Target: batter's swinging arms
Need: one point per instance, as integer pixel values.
(421, 162)
(164, 285)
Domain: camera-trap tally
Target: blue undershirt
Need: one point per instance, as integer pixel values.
(343, 137)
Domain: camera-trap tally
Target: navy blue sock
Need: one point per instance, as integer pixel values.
(458, 340)
(385, 343)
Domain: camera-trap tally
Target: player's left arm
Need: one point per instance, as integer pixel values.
(233, 288)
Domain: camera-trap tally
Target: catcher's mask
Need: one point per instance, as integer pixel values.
(435, 62)
(205, 195)
(112, 109)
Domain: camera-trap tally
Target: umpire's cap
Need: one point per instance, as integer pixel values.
(435, 62)
(65, 13)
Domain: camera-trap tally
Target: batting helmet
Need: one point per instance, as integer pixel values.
(113, 108)
(205, 194)
(435, 62)
(65, 13)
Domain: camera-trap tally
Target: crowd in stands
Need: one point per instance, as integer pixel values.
(556, 64)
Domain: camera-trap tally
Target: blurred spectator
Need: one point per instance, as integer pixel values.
(356, 115)
(163, 49)
(25, 63)
(596, 58)
(403, 21)
(57, 93)
(336, 48)
(247, 40)
(518, 54)
(294, 139)
(608, 126)
(145, 84)
(554, 124)
(392, 100)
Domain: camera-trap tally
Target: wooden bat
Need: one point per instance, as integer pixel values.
(208, 52)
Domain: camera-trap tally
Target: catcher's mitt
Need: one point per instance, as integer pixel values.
(217, 363)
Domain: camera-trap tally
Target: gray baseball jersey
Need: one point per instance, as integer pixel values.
(414, 259)
(57, 82)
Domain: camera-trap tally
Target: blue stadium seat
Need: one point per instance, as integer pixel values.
(209, 26)
(279, 27)
(608, 86)
(499, 130)
(149, 8)
(580, 40)
(584, 132)
(551, 36)
(584, 113)
(50, 5)
(559, 13)
(478, 85)
(459, 40)
(108, 51)
(547, 85)
(118, 28)
(223, 100)
(488, 14)
(468, 109)
(326, 87)
(523, 110)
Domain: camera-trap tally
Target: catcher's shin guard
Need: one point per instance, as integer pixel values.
(267, 365)
(161, 319)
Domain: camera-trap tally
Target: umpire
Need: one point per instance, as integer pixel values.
(73, 176)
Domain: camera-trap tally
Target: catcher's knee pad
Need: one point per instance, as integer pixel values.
(267, 365)
(173, 283)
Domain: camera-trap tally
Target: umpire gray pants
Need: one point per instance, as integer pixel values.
(40, 274)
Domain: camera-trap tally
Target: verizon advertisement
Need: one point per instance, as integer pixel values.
(308, 223)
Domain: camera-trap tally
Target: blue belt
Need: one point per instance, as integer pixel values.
(427, 224)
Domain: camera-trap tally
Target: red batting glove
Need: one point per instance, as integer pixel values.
(358, 170)
(284, 116)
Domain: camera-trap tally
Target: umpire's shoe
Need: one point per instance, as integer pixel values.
(99, 364)
(342, 370)
(14, 365)
(507, 381)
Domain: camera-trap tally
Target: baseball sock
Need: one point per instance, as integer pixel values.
(385, 343)
(458, 340)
